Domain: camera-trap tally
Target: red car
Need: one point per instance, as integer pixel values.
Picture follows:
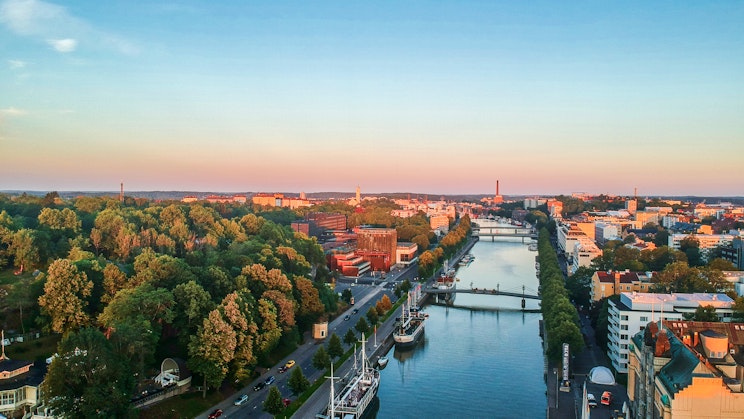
(214, 415)
(606, 398)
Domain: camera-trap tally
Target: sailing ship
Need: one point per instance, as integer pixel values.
(410, 328)
(354, 400)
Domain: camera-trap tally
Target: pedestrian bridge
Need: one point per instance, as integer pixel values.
(484, 291)
(494, 228)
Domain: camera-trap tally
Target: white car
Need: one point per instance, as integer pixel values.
(240, 400)
(591, 400)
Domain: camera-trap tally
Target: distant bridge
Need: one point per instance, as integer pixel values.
(494, 228)
(484, 291)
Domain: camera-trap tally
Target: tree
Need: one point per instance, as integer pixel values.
(579, 284)
(738, 309)
(383, 305)
(705, 314)
(350, 338)
(211, 350)
(64, 296)
(346, 295)
(273, 403)
(372, 315)
(88, 378)
(321, 360)
(335, 349)
(297, 381)
(362, 326)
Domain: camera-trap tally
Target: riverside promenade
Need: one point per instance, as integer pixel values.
(377, 346)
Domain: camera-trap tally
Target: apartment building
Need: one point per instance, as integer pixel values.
(682, 369)
(635, 310)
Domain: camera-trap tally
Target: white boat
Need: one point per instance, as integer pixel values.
(411, 325)
(382, 362)
(532, 247)
(353, 401)
(446, 282)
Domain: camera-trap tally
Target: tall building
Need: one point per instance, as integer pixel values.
(682, 369)
(377, 246)
(635, 310)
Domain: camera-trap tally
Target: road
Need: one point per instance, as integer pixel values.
(366, 291)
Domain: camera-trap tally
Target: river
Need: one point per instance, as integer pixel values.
(475, 362)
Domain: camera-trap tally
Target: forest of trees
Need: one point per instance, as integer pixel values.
(127, 283)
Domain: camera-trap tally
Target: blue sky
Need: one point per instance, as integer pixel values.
(422, 96)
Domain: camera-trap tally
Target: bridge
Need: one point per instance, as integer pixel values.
(495, 228)
(484, 291)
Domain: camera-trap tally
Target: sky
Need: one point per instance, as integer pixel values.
(441, 97)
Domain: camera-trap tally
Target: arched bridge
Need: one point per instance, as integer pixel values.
(492, 228)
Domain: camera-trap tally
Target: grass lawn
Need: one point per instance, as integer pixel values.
(185, 406)
(8, 277)
(35, 349)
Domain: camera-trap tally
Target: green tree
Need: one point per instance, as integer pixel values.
(335, 349)
(350, 338)
(297, 381)
(273, 403)
(64, 298)
(579, 285)
(88, 379)
(362, 326)
(372, 315)
(346, 295)
(738, 309)
(212, 349)
(321, 360)
(705, 314)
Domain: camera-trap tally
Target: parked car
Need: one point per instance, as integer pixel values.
(214, 415)
(355, 311)
(286, 366)
(606, 398)
(269, 381)
(347, 317)
(240, 400)
(591, 400)
(259, 386)
(287, 402)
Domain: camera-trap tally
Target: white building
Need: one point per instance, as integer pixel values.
(604, 232)
(707, 241)
(635, 310)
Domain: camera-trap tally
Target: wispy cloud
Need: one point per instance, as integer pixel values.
(54, 25)
(12, 112)
(63, 45)
(16, 64)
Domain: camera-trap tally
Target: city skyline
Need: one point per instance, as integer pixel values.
(434, 97)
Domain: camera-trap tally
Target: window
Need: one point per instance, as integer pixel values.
(644, 318)
(623, 327)
(623, 337)
(623, 317)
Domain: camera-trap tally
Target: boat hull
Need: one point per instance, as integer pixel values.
(409, 340)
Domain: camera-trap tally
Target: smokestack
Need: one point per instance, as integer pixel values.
(497, 188)
(121, 194)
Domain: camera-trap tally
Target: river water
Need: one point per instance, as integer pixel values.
(475, 361)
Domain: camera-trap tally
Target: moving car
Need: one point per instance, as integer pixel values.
(214, 415)
(269, 381)
(240, 400)
(259, 386)
(355, 311)
(606, 398)
(287, 366)
(347, 317)
(591, 400)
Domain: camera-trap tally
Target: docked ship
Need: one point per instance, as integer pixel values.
(446, 282)
(466, 260)
(355, 400)
(410, 328)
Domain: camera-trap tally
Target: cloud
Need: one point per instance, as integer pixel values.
(54, 25)
(16, 64)
(11, 112)
(63, 45)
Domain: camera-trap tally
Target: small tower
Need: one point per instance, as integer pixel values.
(121, 193)
(358, 195)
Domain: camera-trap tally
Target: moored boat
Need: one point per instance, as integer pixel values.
(355, 399)
(382, 362)
(410, 327)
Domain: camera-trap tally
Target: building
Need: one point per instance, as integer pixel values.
(635, 310)
(631, 205)
(439, 222)
(707, 241)
(604, 232)
(327, 220)
(19, 384)
(377, 246)
(405, 253)
(734, 252)
(682, 369)
(585, 250)
(605, 284)
(279, 200)
(346, 261)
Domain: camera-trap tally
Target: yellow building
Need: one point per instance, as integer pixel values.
(606, 284)
(687, 370)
